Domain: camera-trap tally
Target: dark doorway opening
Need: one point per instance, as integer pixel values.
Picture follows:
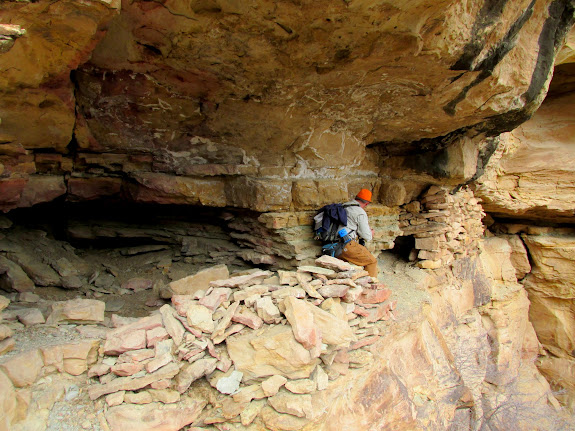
(404, 248)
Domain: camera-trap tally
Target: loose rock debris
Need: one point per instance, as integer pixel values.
(251, 347)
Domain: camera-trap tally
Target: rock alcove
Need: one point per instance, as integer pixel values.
(142, 143)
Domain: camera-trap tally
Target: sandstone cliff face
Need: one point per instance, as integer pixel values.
(527, 188)
(222, 106)
(225, 103)
(532, 173)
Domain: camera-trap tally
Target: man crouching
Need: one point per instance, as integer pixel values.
(359, 230)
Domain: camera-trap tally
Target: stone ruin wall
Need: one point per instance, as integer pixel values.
(446, 226)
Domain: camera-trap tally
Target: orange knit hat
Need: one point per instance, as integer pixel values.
(364, 194)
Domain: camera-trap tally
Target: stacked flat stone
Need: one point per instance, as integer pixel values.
(258, 346)
(446, 226)
(253, 337)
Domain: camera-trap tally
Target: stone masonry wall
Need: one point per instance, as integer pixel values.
(446, 226)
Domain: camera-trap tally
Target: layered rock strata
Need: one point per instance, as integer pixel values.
(254, 106)
(546, 279)
(527, 191)
(281, 108)
(531, 174)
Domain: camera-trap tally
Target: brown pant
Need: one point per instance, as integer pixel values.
(359, 255)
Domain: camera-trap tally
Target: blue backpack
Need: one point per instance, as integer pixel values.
(329, 228)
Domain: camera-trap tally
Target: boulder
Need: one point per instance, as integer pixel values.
(273, 351)
(77, 311)
(153, 417)
(13, 278)
(23, 369)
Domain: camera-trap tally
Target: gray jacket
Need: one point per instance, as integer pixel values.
(357, 221)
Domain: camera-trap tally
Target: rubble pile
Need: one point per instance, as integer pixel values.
(446, 226)
(257, 347)
(253, 337)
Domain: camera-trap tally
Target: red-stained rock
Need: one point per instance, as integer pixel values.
(93, 188)
(367, 341)
(41, 189)
(131, 383)
(182, 303)
(136, 355)
(124, 341)
(98, 370)
(374, 296)
(131, 336)
(302, 323)
(215, 298)
(138, 284)
(127, 368)
(247, 317)
(11, 192)
(155, 335)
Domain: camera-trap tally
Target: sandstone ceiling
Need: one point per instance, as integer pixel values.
(261, 104)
